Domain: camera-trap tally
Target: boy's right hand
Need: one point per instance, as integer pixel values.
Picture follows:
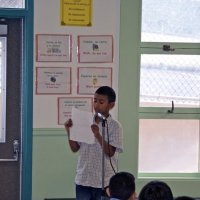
(68, 124)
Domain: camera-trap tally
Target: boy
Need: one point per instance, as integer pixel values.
(89, 168)
(122, 186)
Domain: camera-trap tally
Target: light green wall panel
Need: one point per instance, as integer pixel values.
(54, 165)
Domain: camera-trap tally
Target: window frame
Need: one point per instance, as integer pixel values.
(3, 90)
(180, 48)
(27, 16)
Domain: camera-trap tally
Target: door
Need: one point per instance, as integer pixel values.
(11, 108)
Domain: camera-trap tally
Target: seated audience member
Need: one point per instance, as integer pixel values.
(156, 190)
(122, 186)
(184, 198)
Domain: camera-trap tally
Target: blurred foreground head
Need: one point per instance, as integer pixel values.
(156, 190)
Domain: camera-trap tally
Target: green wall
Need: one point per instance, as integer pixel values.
(54, 164)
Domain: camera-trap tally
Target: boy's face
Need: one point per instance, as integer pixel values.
(102, 105)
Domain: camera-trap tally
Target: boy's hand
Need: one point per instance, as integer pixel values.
(95, 130)
(68, 124)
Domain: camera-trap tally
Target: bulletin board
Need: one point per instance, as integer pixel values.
(87, 56)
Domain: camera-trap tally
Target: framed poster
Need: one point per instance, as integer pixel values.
(76, 13)
(53, 80)
(53, 48)
(95, 49)
(91, 78)
(65, 105)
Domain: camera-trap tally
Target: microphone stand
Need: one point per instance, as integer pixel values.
(103, 158)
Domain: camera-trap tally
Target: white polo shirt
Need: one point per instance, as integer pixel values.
(89, 166)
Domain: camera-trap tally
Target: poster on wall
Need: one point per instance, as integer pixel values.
(53, 80)
(65, 105)
(76, 13)
(53, 48)
(95, 49)
(91, 78)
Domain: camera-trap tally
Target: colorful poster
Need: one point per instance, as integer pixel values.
(95, 49)
(91, 78)
(53, 48)
(65, 105)
(76, 13)
(53, 80)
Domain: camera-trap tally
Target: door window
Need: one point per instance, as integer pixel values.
(2, 88)
(12, 4)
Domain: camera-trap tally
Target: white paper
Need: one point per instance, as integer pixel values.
(81, 129)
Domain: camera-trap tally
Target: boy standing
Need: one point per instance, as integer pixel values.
(89, 168)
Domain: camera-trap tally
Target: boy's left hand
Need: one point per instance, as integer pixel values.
(95, 130)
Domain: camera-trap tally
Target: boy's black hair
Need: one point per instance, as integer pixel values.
(156, 190)
(108, 91)
(122, 185)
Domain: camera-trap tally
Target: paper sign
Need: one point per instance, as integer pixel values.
(95, 48)
(53, 80)
(65, 105)
(76, 13)
(91, 78)
(53, 48)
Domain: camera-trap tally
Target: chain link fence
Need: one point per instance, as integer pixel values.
(167, 78)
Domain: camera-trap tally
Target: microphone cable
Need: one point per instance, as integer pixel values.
(109, 149)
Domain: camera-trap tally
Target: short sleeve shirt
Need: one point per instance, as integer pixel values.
(89, 166)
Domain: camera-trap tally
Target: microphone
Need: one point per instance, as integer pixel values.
(99, 115)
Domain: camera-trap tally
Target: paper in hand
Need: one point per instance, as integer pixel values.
(81, 129)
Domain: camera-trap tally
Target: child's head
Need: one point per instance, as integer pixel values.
(107, 91)
(104, 100)
(156, 190)
(122, 186)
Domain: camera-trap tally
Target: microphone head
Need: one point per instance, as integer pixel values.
(100, 116)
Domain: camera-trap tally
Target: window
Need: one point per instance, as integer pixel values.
(2, 88)
(170, 87)
(170, 21)
(12, 4)
(166, 78)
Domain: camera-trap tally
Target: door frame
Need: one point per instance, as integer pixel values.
(26, 15)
